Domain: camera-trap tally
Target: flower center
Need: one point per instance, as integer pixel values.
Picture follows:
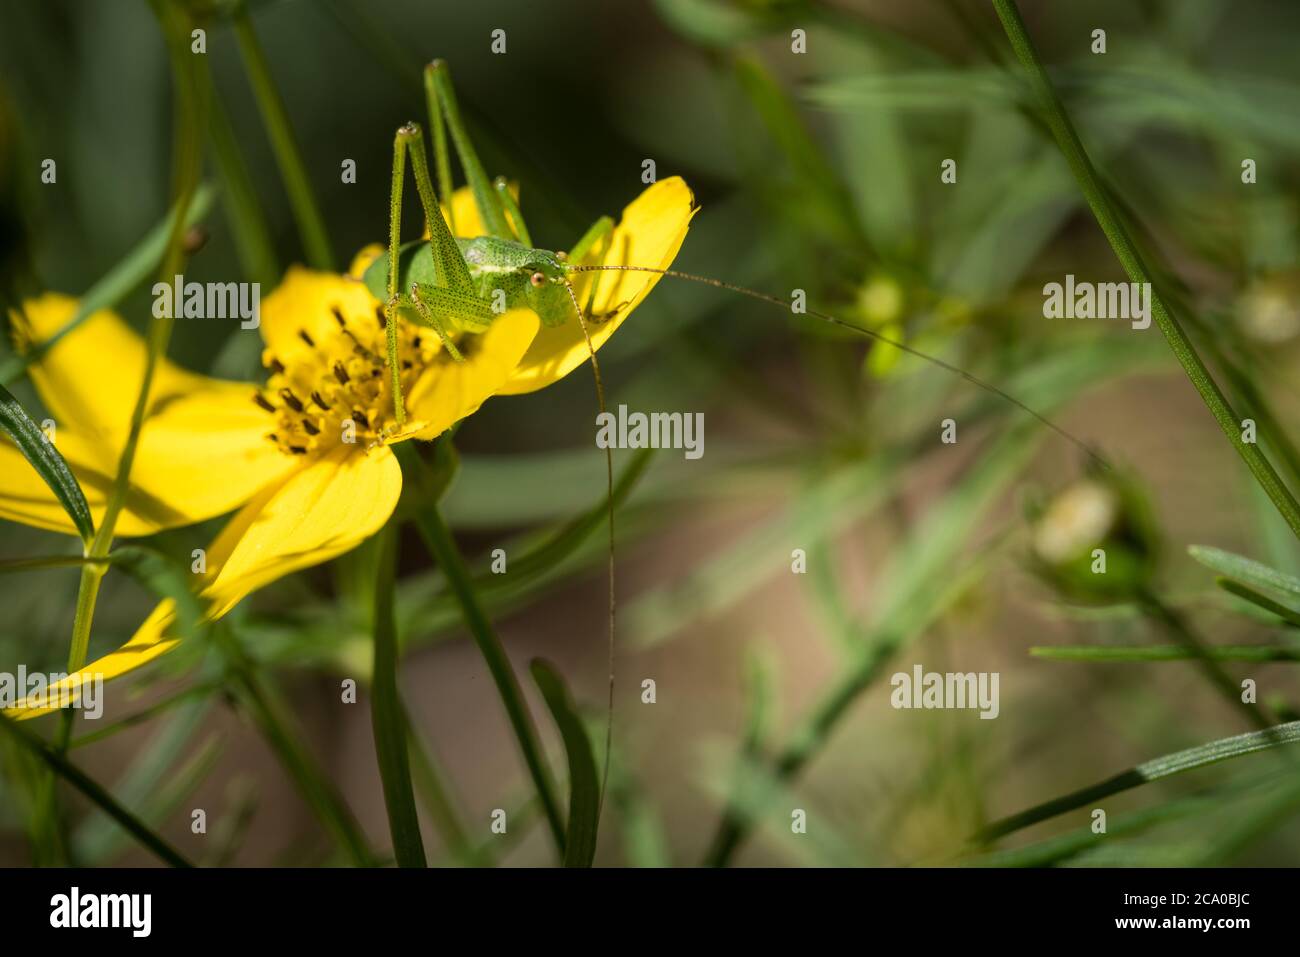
(337, 390)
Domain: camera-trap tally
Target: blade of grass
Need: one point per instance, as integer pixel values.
(388, 719)
(1126, 251)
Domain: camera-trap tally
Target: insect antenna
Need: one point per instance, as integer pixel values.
(609, 498)
(869, 333)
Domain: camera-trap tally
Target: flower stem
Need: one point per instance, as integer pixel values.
(388, 718)
(187, 167)
(1126, 251)
(438, 538)
(311, 225)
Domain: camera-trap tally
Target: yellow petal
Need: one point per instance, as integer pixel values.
(91, 377)
(324, 509)
(24, 496)
(202, 451)
(448, 391)
(150, 642)
(649, 234)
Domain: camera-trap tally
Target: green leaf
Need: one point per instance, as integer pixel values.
(584, 785)
(49, 464)
(1247, 571)
(1164, 652)
(1223, 749)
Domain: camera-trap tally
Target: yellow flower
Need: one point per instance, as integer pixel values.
(306, 458)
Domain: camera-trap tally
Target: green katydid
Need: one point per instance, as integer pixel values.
(466, 282)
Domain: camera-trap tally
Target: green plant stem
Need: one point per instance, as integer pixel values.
(306, 212)
(442, 546)
(388, 718)
(249, 228)
(187, 163)
(1126, 251)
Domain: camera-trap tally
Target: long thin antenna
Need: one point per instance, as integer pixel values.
(869, 333)
(609, 498)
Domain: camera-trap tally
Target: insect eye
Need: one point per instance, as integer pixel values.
(537, 279)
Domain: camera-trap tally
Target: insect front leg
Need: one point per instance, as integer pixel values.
(449, 265)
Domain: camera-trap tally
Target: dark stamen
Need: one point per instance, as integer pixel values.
(277, 366)
(309, 427)
(360, 417)
(338, 317)
(297, 450)
(340, 373)
(291, 400)
(315, 397)
(302, 334)
(263, 402)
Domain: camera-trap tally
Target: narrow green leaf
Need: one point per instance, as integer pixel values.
(1247, 571)
(49, 464)
(584, 783)
(1165, 653)
(95, 792)
(1223, 749)
(1286, 613)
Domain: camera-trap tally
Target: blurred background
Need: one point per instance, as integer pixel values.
(816, 170)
